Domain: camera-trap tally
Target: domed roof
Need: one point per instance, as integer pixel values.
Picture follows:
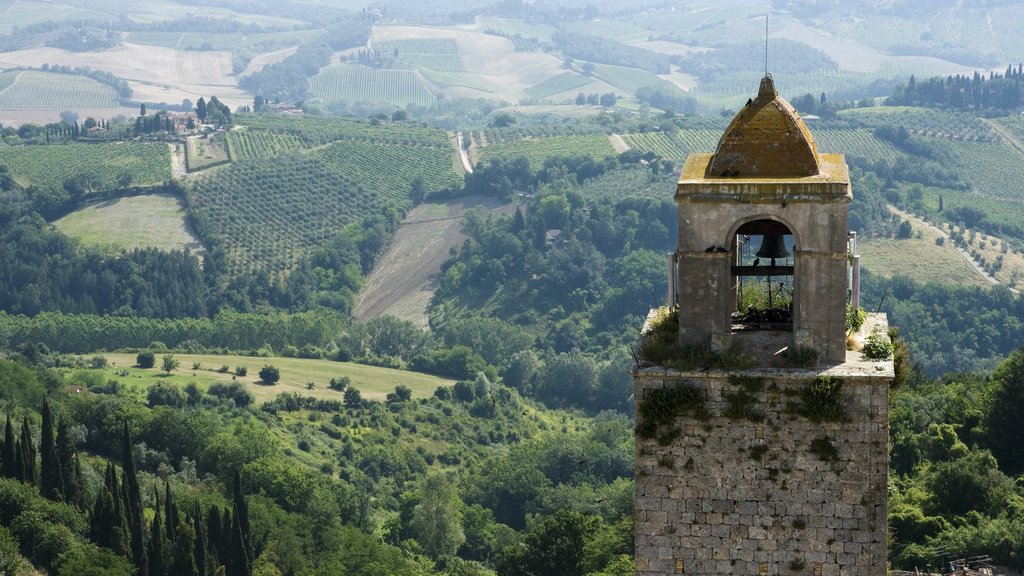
(767, 138)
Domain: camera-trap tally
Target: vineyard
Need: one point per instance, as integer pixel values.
(514, 133)
(33, 90)
(6, 78)
(995, 169)
(111, 166)
(388, 170)
(537, 150)
(923, 122)
(662, 144)
(856, 143)
(699, 139)
(355, 83)
(434, 53)
(246, 144)
(557, 84)
(271, 213)
(325, 130)
(1012, 124)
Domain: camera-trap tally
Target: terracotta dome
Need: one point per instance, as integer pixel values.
(766, 139)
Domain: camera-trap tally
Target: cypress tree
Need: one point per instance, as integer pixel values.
(69, 466)
(171, 516)
(9, 463)
(213, 532)
(182, 557)
(226, 557)
(200, 546)
(51, 485)
(240, 558)
(242, 514)
(156, 541)
(133, 505)
(19, 462)
(28, 453)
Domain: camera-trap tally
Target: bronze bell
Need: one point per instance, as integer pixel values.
(773, 246)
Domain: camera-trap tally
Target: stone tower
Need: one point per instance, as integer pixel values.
(762, 445)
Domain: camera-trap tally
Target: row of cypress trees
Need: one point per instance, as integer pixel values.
(172, 544)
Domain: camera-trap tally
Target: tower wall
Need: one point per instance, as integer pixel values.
(751, 483)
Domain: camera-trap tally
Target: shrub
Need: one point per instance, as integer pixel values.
(877, 346)
(241, 371)
(145, 360)
(231, 391)
(269, 375)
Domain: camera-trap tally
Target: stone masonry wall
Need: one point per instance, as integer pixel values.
(750, 483)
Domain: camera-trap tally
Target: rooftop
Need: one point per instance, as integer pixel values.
(766, 139)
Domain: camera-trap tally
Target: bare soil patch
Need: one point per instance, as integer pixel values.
(259, 62)
(407, 274)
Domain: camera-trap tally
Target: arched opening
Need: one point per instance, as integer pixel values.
(762, 273)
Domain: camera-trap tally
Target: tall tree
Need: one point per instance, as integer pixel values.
(200, 547)
(133, 505)
(437, 519)
(9, 454)
(51, 484)
(69, 465)
(157, 566)
(28, 454)
(201, 109)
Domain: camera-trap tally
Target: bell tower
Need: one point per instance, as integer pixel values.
(766, 185)
(762, 429)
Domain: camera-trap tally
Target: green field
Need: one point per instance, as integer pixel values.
(439, 62)
(21, 13)
(112, 165)
(355, 83)
(373, 382)
(614, 29)
(699, 139)
(629, 79)
(557, 84)
(203, 153)
(222, 41)
(517, 28)
(537, 150)
(34, 90)
(147, 221)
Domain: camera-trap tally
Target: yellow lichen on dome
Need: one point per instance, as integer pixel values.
(767, 138)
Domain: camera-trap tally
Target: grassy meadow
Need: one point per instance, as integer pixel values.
(374, 383)
(146, 221)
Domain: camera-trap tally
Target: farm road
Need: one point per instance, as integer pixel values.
(407, 274)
